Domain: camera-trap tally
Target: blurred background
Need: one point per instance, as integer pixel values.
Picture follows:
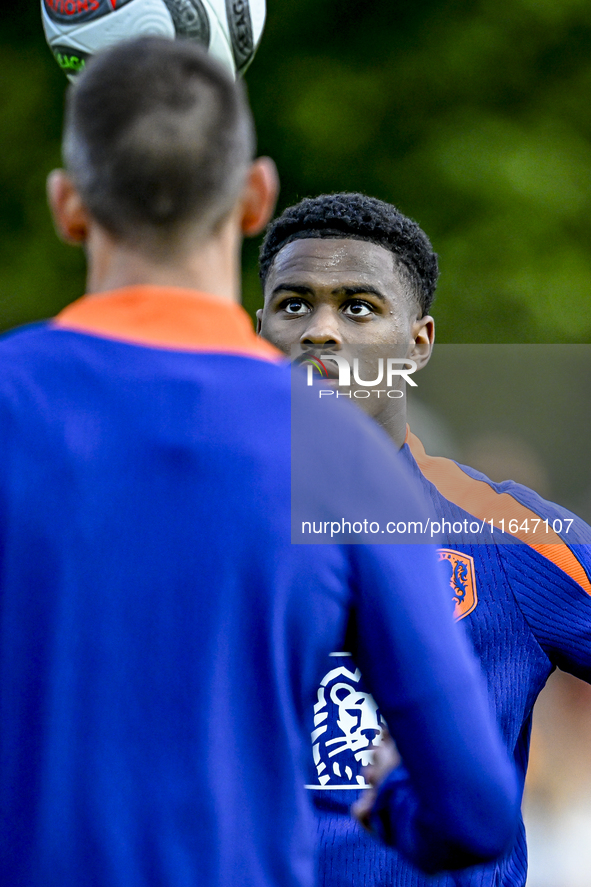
(475, 119)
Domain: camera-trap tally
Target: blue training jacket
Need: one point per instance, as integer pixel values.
(525, 602)
(161, 640)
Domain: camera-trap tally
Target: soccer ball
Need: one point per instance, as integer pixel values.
(76, 29)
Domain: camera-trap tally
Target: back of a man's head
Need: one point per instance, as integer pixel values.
(157, 138)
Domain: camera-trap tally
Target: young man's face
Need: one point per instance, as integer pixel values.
(335, 292)
(332, 294)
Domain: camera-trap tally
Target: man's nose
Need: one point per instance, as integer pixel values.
(323, 329)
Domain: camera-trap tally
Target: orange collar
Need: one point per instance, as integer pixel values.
(167, 317)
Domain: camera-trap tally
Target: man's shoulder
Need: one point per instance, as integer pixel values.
(34, 346)
(554, 541)
(566, 524)
(23, 347)
(23, 337)
(557, 549)
(486, 499)
(20, 351)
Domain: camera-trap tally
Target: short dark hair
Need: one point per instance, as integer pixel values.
(359, 217)
(156, 135)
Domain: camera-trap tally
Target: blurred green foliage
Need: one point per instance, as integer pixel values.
(473, 117)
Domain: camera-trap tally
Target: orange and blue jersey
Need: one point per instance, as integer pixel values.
(526, 609)
(161, 639)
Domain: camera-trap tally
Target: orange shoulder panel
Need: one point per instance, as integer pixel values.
(478, 498)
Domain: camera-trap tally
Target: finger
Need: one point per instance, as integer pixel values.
(362, 808)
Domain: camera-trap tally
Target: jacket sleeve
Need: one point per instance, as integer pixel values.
(550, 579)
(556, 606)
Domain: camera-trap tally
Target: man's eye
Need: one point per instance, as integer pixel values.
(357, 309)
(295, 306)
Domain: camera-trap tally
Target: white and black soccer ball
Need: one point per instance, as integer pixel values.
(77, 29)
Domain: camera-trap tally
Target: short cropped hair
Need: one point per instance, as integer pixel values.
(358, 217)
(157, 135)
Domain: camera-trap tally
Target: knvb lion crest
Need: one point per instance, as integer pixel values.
(347, 721)
(348, 726)
(462, 580)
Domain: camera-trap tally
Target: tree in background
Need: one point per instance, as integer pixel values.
(473, 117)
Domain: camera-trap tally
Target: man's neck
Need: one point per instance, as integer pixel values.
(211, 267)
(393, 421)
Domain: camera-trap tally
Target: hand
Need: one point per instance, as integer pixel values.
(385, 759)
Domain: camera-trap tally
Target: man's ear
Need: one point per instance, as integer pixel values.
(70, 216)
(259, 196)
(259, 314)
(423, 333)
